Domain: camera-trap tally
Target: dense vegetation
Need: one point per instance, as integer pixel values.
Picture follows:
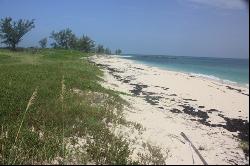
(43, 42)
(66, 39)
(50, 100)
(11, 33)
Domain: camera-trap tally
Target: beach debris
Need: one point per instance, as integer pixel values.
(102, 65)
(138, 89)
(126, 81)
(165, 88)
(190, 99)
(237, 125)
(174, 110)
(233, 125)
(195, 112)
(153, 100)
(238, 90)
(231, 88)
(195, 149)
(138, 68)
(212, 110)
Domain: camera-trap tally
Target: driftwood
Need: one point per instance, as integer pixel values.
(196, 150)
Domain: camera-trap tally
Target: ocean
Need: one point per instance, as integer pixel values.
(233, 71)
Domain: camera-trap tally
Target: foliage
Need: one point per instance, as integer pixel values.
(100, 49)
(63, 39)
(85, 44)
(118, 52)
(107, 51)
(43, 42)
(68, 40)
(11, 32)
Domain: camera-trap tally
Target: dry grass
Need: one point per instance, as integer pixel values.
(31, 101)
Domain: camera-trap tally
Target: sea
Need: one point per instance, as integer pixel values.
(226, 70)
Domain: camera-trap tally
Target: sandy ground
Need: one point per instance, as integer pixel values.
(213, 115)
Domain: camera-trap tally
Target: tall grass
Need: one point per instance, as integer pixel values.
(63, 92)
(30, 102)
(40, 113)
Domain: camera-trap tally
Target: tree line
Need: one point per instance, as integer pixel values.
(12, 32)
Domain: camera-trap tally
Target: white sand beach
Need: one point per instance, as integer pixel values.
(214, 115)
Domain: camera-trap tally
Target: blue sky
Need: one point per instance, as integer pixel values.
(217, 28)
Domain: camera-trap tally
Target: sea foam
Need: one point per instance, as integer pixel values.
(211, 77)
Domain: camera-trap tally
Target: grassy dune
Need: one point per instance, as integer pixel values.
(49, 101)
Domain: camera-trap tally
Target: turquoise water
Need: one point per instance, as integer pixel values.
(224, 69)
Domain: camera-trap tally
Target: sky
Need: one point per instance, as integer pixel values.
(204, 28)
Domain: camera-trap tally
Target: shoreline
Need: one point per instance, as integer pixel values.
(166, 103)
(196, 74)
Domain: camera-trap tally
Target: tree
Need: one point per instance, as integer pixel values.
(100, 49)
(11, 32)
(64, 39)
(118, 51)
(107, 51)
(85, 44)
(43, 42)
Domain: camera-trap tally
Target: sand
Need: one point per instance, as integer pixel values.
(212, 114)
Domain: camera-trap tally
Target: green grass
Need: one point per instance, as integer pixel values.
(56, 113)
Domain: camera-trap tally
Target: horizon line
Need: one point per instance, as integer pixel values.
(247, 58)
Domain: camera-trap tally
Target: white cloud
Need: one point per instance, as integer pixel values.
(225, 4)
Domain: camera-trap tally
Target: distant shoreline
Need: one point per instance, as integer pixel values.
(192, 73)
(187, 56)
